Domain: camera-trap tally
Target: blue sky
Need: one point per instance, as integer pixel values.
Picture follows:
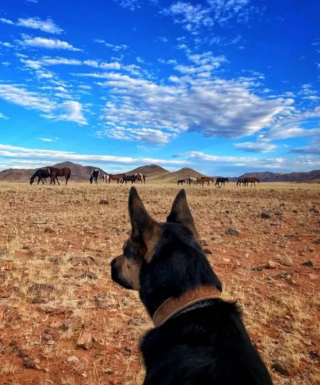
(222, 86)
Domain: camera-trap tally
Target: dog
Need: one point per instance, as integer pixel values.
(198, 339)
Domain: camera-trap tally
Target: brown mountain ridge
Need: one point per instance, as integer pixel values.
(158, 173)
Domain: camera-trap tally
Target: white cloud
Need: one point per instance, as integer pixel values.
(44, 25)
(41, 42)
(72, 112)
(67, 111)
(214, 107)
(48, 139)
(192, 17)
(6, 21)
(6, 44)
(258, 147)
(132, 5)
(3, 116)
(114, 47)
(13, 152)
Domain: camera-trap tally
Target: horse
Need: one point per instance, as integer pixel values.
(181, 181)
(139, 177)
(41, 175)
(241, 181)
(222, 181)
(116, 177)
(95, 173)
(205, 179)
(55, 172)
(145, 179)
(129, 178)
(192, 180)
(252, 180)
(105, 178)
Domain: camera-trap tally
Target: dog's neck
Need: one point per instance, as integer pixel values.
(174, 305)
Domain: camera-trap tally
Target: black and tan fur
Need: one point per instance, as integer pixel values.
(204, 344)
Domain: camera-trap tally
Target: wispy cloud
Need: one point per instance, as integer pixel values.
(3, 116)
(114, 47)
(132, 5)
(43, 25)
(6, 21)
(48, 139)
(13, 152)
(257, 147)
(41, 42)
(35, 23)
(68, 111)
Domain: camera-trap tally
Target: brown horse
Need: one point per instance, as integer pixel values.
(55, 172)
(205, 179)
(116, 177)
(252, 180)
(181, 181)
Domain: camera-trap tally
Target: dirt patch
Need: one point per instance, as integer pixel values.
(55, 249)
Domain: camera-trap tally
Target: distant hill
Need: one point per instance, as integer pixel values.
(153, 171)
(183, 173)
(78, 172)
(157, 173)
(14, 175)
(282, 177)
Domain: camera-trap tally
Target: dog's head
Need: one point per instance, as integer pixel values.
(161, 259)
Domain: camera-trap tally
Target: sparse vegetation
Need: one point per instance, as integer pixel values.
(51, 235)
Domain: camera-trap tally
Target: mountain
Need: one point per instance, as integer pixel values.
(283, 177)
(183, 173)
(15, 175)
(78, 172)
(153, 171)
(159, 174)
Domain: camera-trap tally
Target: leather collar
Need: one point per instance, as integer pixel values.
(173, 306)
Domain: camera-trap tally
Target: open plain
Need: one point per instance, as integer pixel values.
(63, 321)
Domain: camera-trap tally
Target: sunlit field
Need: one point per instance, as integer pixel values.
(56, 290)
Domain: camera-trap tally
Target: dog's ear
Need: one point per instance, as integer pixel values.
(145, 231)
(180, 213)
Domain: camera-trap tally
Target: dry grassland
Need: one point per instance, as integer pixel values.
(51, 236)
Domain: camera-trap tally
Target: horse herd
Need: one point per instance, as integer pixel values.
(119, 178)
(219, 181)
(53, 172)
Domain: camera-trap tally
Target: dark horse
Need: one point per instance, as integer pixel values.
(252, 180)
(95, 173)
(221, 181)
(241, 181)
(181, 181)
(55, 172)
(129, 178)
(41, 175)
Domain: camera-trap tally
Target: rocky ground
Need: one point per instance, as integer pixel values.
(63, 321)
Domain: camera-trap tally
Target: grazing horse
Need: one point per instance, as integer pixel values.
(252, 180)
(105, 178)
(145, 179)
(192, 180)
(116, 177)
(181, 181)
(95, 173)
(55, 172)
(139, 177)
(241, 181)
(205, 179)
(129, 178)
(41, 175)
(221, 181)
